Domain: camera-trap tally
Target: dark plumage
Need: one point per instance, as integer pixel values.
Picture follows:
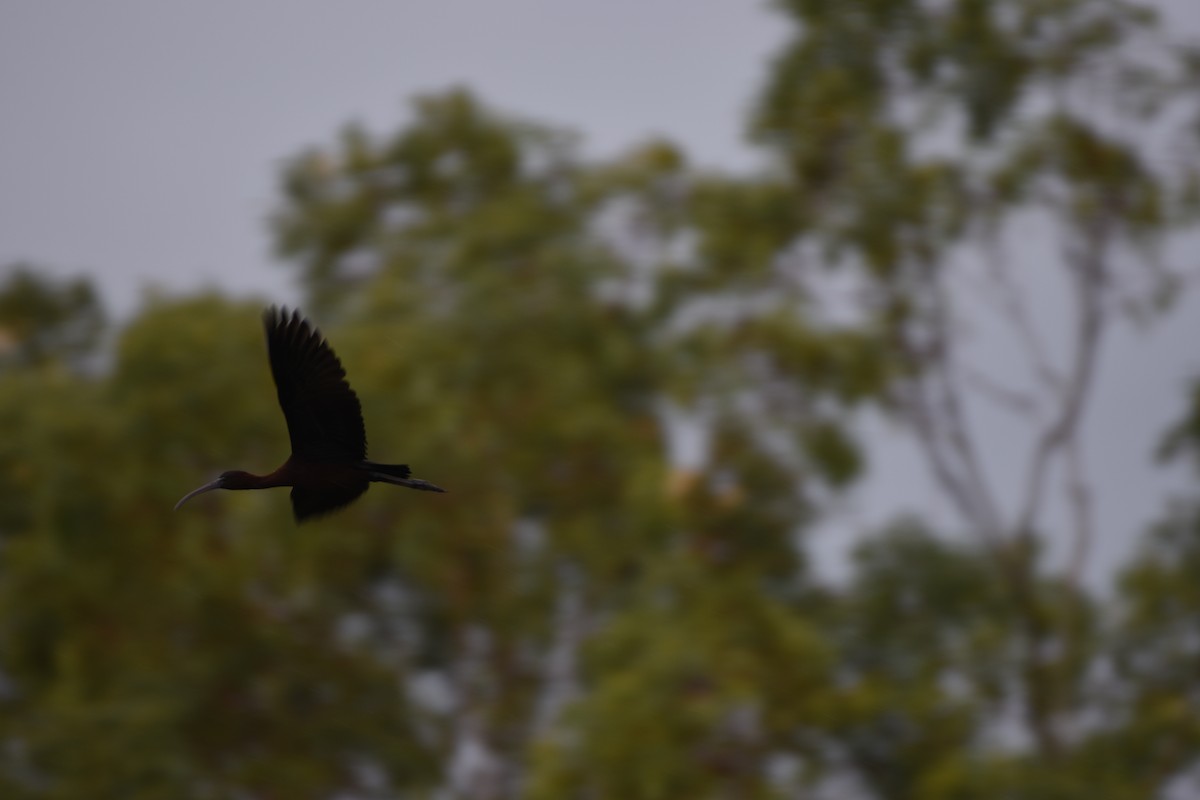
(328, 467)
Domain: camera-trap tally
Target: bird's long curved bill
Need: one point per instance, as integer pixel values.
(208, 487)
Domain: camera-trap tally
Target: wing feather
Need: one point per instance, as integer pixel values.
(324, 417)
(308, 503)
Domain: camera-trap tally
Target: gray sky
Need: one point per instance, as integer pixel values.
(141, 141)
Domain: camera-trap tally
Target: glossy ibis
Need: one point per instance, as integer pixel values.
(328, 467)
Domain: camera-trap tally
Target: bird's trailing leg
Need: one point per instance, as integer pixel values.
(398, 474)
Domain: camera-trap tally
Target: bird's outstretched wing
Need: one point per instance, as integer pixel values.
(324, 418)
(308, 503)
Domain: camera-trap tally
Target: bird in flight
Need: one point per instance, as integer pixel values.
(328, 467)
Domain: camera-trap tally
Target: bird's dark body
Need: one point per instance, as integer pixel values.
(328, 467)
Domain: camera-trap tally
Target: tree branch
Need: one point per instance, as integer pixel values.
(1089, 279)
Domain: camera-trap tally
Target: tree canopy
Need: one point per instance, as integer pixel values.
(588, 613)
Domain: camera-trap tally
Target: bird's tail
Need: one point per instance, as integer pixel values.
(399, 475)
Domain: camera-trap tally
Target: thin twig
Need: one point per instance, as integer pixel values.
(933, 407)
(1016, 312)
(1019, 403)
(1088, 271)
(1079, 493)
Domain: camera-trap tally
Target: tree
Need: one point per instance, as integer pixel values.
(152, 655)
(587, 613)
(506, 275)
(923, 143)
(42, 319)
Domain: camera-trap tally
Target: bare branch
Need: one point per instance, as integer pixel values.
(940, 456)
(1079, 494)
(1089, 280)
(1019, 403)
(1015, 310)
(935, 409)
(957, 429)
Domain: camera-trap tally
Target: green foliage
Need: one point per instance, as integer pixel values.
(44, 320)
(596, 619)
(197, 644)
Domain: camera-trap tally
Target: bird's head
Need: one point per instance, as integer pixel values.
(231, 479)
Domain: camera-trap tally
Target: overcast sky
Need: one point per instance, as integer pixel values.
(140, 143)
(141, 140)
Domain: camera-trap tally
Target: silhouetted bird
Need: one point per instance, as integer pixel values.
(328, 467)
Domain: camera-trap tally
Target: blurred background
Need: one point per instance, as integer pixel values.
(815, 383)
